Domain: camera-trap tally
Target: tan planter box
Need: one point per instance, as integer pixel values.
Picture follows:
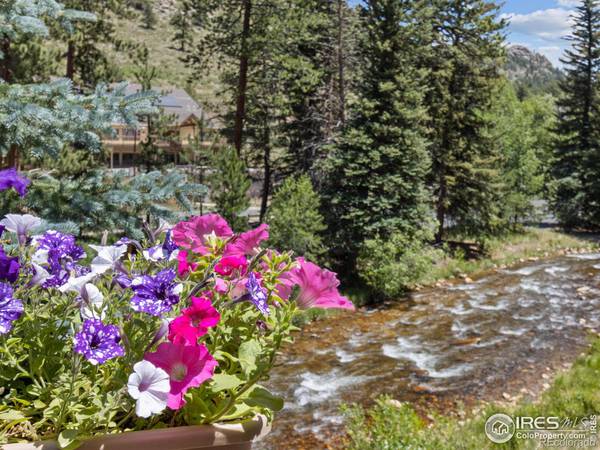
(222, 437)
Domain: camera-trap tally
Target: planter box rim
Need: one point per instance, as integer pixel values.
(192, 437)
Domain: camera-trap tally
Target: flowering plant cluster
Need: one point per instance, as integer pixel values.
(180, 329)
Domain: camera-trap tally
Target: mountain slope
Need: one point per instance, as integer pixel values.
(531, 72)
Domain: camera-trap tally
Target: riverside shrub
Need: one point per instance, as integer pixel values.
(294, 218)
(390, 267)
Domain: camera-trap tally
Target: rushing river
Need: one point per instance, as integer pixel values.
(465, 341)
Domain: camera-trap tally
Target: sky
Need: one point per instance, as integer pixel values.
(538, 24)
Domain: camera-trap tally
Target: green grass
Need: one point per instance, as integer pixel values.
(508, 250)
(393, 425)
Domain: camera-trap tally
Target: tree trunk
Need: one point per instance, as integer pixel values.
(5, 62)
(266, 191)
(441, 209)
(70, 60)
(6, 73)
(341, 63)
(12, 157)
(240, 113)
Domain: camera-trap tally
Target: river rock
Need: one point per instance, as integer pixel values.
(467, 341)
(395, 403)
(420, 389)
(583, 290)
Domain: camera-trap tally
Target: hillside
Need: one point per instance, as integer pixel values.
(531, 71)
(159, 40)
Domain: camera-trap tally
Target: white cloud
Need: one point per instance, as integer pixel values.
(548, 24)
(569, 3)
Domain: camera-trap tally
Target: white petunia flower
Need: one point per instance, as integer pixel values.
(76, 284)
(90, 296)
(163, 226)
(40, 275)
(91, 307)
(40, 256)
(107, 257)
(20, 224)
(149, 386)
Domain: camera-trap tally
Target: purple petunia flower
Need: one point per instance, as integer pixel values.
(98, 342)
(168, 250)
(123, 241)
(9, 178)
(155, 295)
(168, 245)
(9, 267)
(11, 308)
(257, 294)
(60, 253)
(122, 280)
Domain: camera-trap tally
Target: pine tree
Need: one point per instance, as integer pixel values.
(295, 222)
(40, 119)
(229, 184)
(376, 174)
(87, 61)
(466, 56)
(576, 196)
(272, 66)
(318, 58)
(182, 20)
(149, 19)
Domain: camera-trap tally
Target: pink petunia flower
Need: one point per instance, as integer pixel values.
(183, 265)
(230, 264)
(194, 322)
(188, 366)
(318, 287)
(235, 287)
(246, 243)
(192, 234)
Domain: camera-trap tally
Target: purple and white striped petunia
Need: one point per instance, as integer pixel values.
(155, 294)
(60, 252)
(11, 308)
(98, 342)
(257, 294)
